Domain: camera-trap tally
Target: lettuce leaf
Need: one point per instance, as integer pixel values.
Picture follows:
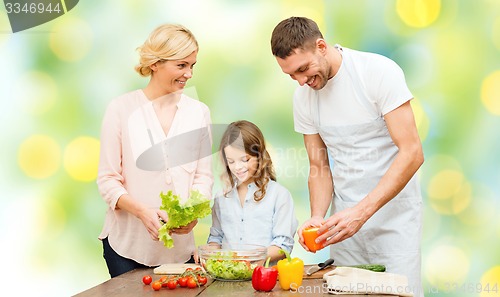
(197, 206)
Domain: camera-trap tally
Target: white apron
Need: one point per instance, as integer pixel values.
(361, 155)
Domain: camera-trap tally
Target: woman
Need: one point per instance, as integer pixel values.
(144, 151)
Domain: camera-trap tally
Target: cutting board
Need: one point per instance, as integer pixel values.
(317, 274)
(174, 268)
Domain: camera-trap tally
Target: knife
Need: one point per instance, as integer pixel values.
(320, 266)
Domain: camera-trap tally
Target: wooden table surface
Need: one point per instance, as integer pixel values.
(130, 285)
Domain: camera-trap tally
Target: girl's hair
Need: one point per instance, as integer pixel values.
(167, 42)
(247, 136)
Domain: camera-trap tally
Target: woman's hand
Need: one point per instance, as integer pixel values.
(342, 225)
(185, 229)
(314, 221)
(151, 219)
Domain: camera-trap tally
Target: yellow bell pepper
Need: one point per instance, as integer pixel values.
(290, 271)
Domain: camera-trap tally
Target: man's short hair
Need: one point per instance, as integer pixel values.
(294, 33)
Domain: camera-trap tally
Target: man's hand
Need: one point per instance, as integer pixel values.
(314, 221)
(342, 225)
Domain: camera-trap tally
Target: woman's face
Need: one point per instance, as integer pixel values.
(172, 75)
(242, 165)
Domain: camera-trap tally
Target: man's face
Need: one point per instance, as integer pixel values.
(307, 67)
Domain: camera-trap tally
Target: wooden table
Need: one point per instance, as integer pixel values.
(130, 285)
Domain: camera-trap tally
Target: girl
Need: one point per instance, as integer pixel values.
(254, 208)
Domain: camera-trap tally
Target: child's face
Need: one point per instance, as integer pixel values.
(241, 164)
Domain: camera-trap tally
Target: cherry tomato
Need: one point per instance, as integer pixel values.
(156, 286)
(191, 283)
(182, 281)
(198, 269)
(202, 280)
(189, 269)
(172, 284)
(147, 279)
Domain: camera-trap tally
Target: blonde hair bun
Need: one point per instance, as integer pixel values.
(166, 42)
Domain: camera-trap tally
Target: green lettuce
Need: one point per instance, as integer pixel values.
(197, 206)
(229, 269)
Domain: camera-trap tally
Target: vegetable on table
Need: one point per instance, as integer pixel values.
(290, 271)
(147, 279)
(372, 267)
(189, 278)
(264, 277)
(229, 269)
(310, 234)
(180, 214)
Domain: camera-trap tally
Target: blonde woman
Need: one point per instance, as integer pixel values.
(145, 151)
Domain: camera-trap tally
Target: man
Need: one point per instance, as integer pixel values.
(355, 108)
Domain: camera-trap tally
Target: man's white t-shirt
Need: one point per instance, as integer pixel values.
(366, 87)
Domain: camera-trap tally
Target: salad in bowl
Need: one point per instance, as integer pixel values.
(231, 264)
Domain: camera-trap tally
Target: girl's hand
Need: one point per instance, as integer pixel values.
(315, 221)
(151, 220)
(185, 229)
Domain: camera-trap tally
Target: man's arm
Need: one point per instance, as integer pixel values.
(320, 177)
(320, 183)
(402, 128)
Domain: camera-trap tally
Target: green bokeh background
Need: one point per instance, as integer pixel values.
(57, 79)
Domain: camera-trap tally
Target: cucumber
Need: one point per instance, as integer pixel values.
(372, 267)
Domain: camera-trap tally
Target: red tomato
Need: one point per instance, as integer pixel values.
(191, 283)
(183, 281)
(156, 286)
(172, 284)
(198, 269)
(202, 280)
(189, 269)
(147, 279)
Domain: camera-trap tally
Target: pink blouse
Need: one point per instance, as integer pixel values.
(137, 159)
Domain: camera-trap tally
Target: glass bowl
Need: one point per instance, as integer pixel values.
(231, 264)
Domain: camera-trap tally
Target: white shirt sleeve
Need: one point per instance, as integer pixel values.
(302, 116)
(388, 86)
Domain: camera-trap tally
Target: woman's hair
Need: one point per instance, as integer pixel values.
(294, 33)
(167, 42)
(247, 136)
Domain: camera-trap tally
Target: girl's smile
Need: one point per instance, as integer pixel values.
(242, 165)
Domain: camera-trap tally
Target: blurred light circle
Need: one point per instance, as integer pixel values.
(81, 158)
(445, 184)
(418, 13)
(490, 92)
(71, 39)
(448, 192)
(490, 283)
(41, 94)
(482, 211)
(445, 265)
(39, 156)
